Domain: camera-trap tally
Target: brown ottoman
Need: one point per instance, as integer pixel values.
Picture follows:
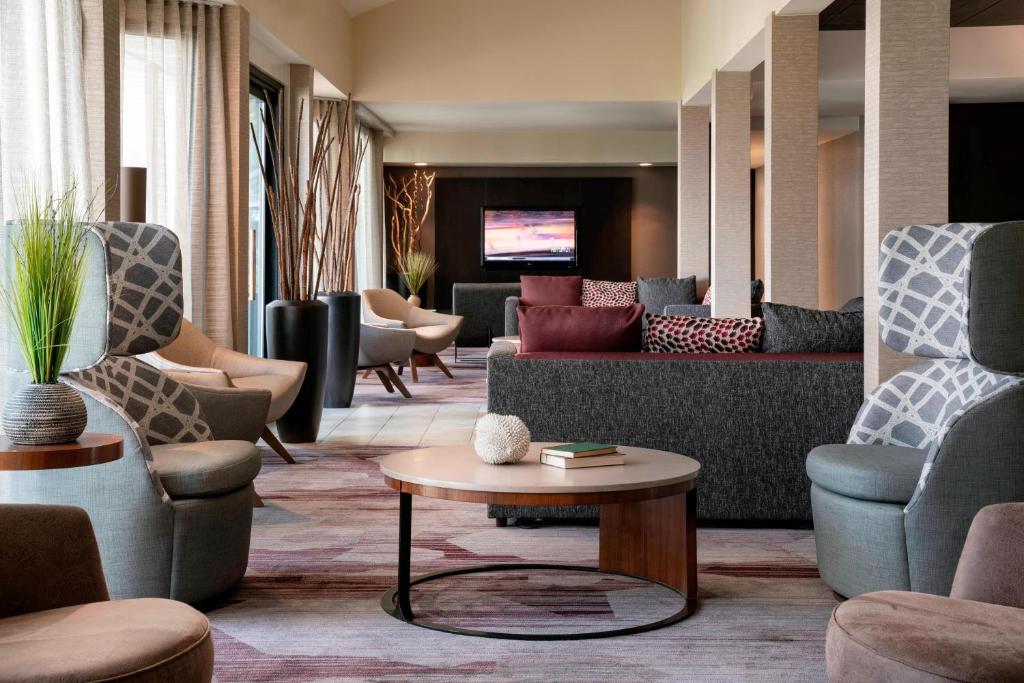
(902, 636)
(148, 639)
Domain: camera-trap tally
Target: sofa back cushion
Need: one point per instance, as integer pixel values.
(792, 329)
(683, 334)
(551, 290)
(655, 293)
(608, 293)
(579, 328)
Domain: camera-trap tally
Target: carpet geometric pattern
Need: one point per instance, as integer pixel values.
(324, 549)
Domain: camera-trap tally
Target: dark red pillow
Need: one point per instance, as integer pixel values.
(576, 328)
(551, 290)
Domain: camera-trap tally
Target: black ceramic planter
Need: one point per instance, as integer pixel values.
(297, 330)
(342, 347)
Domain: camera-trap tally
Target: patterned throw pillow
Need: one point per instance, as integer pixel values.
(707, 298)
(608, 293)
(683, 334)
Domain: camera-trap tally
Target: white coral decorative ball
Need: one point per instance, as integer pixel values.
(501, 439)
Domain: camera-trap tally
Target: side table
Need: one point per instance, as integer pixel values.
(91, 448)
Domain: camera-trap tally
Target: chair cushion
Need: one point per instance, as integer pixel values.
(154, 639)
(435, 338)
(902, 636)
(886, 474)
(281, 387)
(205, 468)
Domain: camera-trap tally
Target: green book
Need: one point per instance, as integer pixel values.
(579, 450)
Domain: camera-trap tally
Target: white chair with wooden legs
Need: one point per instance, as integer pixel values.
(434, 331)
(379, 347)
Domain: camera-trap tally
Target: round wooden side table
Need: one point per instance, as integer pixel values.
(91, 448)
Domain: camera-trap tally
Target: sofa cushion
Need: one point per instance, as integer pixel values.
(578, 328)
(695, 357)
(608, 293)
(853, 305)
(903, 636)
(887, 474)
(205, 468)
(144, 639)
(551, 290)
(792, 329)
(682, 334)
(655, 293)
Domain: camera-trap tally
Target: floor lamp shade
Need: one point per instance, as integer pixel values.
(133, 194)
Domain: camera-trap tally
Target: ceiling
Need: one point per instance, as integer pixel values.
(848, 15)
(355, 7)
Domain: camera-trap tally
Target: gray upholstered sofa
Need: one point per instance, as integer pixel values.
(750, 419)
(941, 439)
(482, 305)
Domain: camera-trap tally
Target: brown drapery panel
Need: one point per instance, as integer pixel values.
(189, 92)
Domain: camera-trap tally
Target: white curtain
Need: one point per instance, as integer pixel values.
(370, 222)
(42, 101)
(173, 123)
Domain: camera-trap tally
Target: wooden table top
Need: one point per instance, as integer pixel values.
(457, 473)
(91, 448)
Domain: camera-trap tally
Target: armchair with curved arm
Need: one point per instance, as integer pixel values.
(434, 331)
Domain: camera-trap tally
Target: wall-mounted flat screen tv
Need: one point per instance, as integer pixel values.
(542, 238)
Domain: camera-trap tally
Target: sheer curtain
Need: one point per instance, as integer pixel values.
(173, 123)
(370, 222)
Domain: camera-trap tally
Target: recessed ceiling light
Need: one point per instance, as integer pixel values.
(420, 163)
(645, 163)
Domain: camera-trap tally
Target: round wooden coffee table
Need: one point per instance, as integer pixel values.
(648, 519)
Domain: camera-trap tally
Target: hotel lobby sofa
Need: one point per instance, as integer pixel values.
(482, 306)
(749, 419)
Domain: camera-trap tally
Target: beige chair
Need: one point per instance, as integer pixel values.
(57, 622)
(434, 331)
(194, 359)
(379, 347)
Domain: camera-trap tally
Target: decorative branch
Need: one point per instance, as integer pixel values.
(410, 197)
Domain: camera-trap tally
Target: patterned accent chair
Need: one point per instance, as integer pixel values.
(942, 439)
(173, 516)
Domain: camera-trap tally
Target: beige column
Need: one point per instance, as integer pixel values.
(906, 142)
(300, 95)
(235, 48)
(101, 38)
(730, 193)
(693, 173)
(791, 160)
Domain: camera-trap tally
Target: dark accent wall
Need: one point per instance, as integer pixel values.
(986, 162)
(603, 229)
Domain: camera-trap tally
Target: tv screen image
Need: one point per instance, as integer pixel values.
(542, 236)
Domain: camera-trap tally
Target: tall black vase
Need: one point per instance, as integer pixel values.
(342, 347)
(297, 330)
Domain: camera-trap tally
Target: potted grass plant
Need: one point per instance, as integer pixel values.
(417, 267)
(42, 299)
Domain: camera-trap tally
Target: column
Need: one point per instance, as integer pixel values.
(101, 47)
(791, 160)
(300, 95)
(906, 143)
(730, 193)
(235, 42)
(694, 222)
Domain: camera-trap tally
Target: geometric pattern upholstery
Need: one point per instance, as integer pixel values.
(159, 409)
(144, 282)
(923, 285)
(917, 407)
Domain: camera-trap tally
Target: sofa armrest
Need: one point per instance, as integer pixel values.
(233, 413)
(512, 316)
(49, 559)
(236, 364)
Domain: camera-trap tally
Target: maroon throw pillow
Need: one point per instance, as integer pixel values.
(608, 293)
(550, 290)
(576, 328)
(684, 334)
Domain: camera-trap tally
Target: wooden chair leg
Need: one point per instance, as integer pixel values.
(439, 364)
(382, 374)
(257, 502)
(366, 374)
(412, 369)
(397, 381)
(271, 440)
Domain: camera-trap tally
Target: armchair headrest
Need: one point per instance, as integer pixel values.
(955, 291)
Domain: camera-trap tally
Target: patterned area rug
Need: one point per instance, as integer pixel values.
(324, 549)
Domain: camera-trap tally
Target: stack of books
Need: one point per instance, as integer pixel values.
(570, 456)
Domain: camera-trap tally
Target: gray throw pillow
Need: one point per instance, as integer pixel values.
(792, 329)
(655, 293)
(854, 304)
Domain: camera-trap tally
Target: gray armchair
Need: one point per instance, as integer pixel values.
(173, 516)
(379, 347)
(942, 439)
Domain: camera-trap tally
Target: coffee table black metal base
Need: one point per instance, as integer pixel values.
(396, 600)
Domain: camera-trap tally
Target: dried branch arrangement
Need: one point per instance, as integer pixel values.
(410, 198)
(308, 220)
